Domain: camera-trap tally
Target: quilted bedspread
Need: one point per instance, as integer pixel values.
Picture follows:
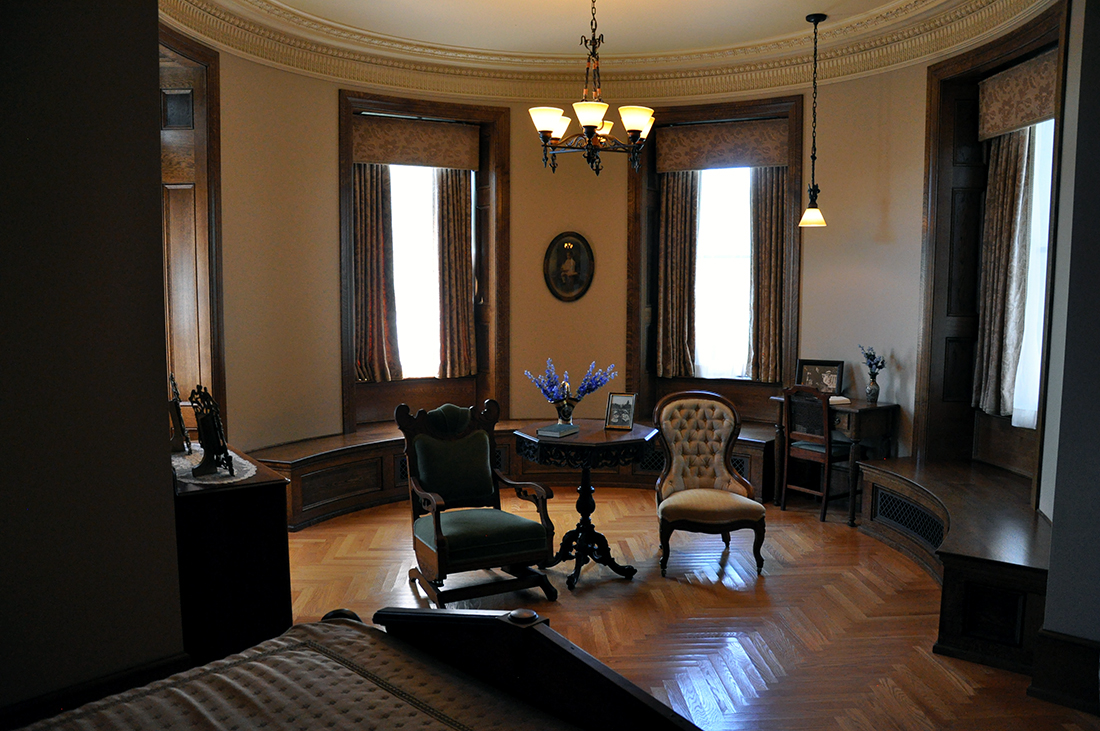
(331, 675)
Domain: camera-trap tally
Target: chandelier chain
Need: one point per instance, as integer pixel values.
(592, 68)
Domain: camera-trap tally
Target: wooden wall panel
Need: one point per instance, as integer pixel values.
(181, 311)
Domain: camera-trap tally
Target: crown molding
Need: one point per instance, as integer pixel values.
(896, 35)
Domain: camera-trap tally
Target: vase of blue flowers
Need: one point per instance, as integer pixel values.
(875, 363)
(557, 390)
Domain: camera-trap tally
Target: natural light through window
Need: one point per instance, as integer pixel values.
(415, 269)
(1025, 402)
(723, 277)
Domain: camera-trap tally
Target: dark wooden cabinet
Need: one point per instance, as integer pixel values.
(234, 564)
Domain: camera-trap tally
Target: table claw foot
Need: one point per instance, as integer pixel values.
(571, 581)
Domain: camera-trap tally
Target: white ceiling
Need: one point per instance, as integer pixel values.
(547, 27)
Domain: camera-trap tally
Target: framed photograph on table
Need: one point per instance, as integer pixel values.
(568, 266)
(620, 411)
(824, 375)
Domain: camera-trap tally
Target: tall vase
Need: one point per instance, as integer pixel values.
(872, 389)
(565, 408)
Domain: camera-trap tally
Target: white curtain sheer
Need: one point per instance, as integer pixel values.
(415, 269)
(723, 280)
(1025, 402)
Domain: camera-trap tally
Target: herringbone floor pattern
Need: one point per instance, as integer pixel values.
(836, 633)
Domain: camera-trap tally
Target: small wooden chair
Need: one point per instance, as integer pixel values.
(458, 524)
(699, 490)
(810, 438)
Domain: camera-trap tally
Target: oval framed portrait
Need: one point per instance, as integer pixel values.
(568, 266)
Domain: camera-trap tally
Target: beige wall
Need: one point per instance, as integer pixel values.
(861, 274)
(280, 253)
(574, 334)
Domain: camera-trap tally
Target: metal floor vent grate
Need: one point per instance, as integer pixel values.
(895, 510)
(653, 460)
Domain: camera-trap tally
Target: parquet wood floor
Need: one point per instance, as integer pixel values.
(836, 634)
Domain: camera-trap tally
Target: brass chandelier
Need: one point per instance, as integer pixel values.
(595, 136)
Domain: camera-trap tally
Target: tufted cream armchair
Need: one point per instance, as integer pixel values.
(699, 490)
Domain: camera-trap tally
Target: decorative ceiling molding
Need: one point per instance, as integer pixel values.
(896, 35)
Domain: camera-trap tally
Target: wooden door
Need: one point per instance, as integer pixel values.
(189, 176)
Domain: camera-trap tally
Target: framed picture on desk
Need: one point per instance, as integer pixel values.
(824, 375)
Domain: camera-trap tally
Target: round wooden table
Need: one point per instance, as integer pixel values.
(592, 446)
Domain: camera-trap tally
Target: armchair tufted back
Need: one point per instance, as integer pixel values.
(699, 430)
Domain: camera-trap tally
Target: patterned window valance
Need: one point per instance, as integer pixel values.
(395, 141)
(756, 143)
(1021, 96)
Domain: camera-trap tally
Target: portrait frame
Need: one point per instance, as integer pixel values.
(568, 266)
(620, 411)
(825, 375)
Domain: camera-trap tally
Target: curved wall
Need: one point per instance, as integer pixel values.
(860, 280)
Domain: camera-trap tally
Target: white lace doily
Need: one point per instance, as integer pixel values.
(183, 463)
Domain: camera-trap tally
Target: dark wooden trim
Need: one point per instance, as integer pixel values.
(491, 310)
(1064, 671)
(1045, 31)
(208, 57)
(516, 653)
(639, 291)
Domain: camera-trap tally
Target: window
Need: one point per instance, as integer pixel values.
(715, 250)
(723, 275)
(468, 149)
(413, 196)
(1025, 402)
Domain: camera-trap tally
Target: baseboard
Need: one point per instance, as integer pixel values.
(1066, 671)
(51, 704)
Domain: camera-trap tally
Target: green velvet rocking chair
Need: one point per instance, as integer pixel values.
(458, 524)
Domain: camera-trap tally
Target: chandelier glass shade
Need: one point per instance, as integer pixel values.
(595, 135)
(812, 216)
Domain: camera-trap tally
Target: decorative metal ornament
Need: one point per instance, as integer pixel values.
(180, 441)
(812, 216)
(215, 452)
(596, 136)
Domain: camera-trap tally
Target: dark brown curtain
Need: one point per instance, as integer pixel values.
(678, 233)
(457, 352)
(376, 355)
(1003, 280)
(768, 206)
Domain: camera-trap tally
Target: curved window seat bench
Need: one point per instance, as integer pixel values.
(338, 474)
(972, 527)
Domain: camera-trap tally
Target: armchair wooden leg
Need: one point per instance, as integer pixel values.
(726, 538)
(666, 534)
(756, 544)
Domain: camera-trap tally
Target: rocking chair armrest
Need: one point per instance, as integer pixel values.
(430, 502)
(530, 491)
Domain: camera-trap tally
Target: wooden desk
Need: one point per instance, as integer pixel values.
(592, 446)
(867, 425)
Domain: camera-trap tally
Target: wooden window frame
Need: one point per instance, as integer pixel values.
(751, 397)
(374, 402)
(950, 429)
